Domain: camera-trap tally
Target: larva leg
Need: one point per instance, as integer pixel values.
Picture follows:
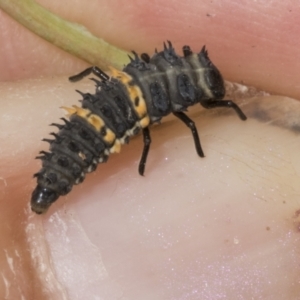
(147, 142)
(224, 103)
(190, 124)
(95, 70)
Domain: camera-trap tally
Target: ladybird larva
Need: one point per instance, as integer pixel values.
(125, 103)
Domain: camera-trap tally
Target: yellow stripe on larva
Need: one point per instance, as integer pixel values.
(116, 148)
(93, 120)
(134, 92)
(145, 121)
(99, 124)
(109, 137)
(79, 111)
(70, 110)
(76, 110)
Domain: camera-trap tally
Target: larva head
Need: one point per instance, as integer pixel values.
(42, 198)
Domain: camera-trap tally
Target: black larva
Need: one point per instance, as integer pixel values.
(125, 103)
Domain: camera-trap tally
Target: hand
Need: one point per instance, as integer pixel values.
(221, 226)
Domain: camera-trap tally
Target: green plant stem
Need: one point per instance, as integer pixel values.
(71, 37)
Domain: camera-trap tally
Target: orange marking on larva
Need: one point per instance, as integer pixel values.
(122, 76)
(145, 122)
(109, 137)
(133, 91)
(116, 148)
(141, 108)
(75, 110)
(69, 110)
(81, 112)
(96, 122)
(93, 120)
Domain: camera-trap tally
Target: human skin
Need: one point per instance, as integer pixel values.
(221, 227)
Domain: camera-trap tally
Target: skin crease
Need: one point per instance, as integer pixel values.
(248, 44)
